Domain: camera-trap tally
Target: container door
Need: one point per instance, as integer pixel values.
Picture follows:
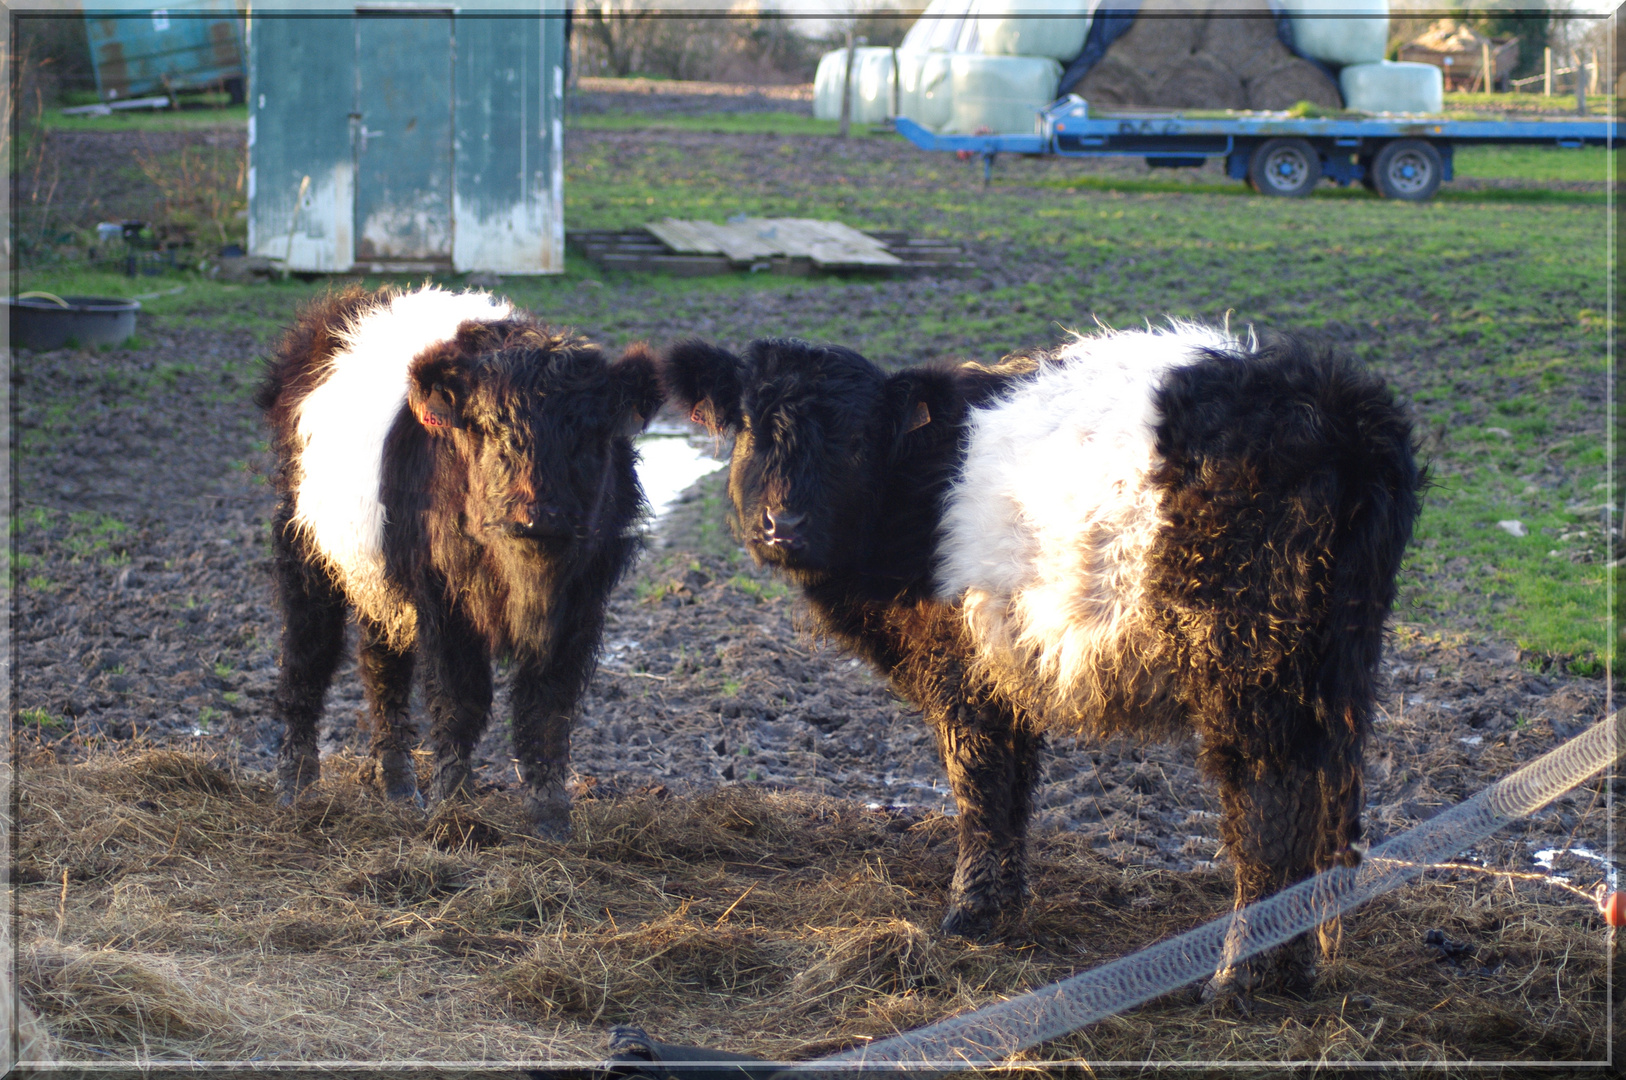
(403, 139)
(301, 152)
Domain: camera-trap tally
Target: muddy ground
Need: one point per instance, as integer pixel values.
(143, 607)
(143, 611)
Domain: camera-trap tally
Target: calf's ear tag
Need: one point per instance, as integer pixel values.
(437, 410)
(704, 414)
(920, 419)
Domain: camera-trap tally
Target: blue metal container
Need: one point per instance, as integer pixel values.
(188, 45)
(408, 139)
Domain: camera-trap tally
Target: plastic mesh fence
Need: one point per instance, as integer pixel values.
(992, 1035)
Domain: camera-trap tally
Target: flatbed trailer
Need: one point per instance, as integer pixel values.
(1400, 157)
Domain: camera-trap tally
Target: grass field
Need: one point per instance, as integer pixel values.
(1486, 311)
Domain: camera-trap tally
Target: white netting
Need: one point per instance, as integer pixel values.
(994, 1034)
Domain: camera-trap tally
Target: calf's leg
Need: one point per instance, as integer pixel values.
(313, 614)
(993, 767)
(1282, 822)
(457, 689)
(546, 690)
(386, 673)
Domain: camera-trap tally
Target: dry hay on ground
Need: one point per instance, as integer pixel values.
(169, 910)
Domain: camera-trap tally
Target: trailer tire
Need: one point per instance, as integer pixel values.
(1408, 169)
(1289, 168)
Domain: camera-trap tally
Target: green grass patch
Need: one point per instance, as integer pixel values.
(1485, 311)
(1535, 104)
(729, 123)
(150, 120)
(40, 720)
(760, 588)
(1588, 163)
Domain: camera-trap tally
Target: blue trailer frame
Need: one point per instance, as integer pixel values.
(1402, 157)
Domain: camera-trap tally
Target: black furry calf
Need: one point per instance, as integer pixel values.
(461, 478)
(1147, 534)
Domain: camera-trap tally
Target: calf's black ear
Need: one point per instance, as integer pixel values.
(635, 389)
(704, 381)
(920, 398)
(437, 391)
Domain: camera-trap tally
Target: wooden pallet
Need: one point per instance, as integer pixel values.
(793, 246)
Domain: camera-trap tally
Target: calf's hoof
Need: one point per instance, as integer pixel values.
(297, 769)
(1288, 968)
(398, 777)
(454, 781)
(963, 921)
(549, 816)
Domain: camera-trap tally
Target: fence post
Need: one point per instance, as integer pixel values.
(847, 87)
(897, 85)
(1547, 72)
(1580, 84)
(1485, 65)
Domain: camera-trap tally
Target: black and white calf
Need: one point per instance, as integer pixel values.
(461, 477)
(1148, 534)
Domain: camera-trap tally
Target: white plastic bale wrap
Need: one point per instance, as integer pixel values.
(1340, 31)
(909, 69)
(1015, 27)
(938, 28)
(927, 97)
(1387, 86)
(871, 85)
(999, 95)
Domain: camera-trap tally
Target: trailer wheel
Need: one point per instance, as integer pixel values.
(1409, 169)
(1285, 167)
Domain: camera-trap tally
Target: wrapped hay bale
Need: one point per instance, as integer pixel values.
(1059, 34)
(938, 28)
(1247, 45)
(908, 76)
(1200, 82)
(1164, 34)
(999, 94)
(827, 85)
(873, 78)
(1112, 82)
(1393, 87)
(871, 85)
(1359, 36)
(927, 96)
(1293, 82)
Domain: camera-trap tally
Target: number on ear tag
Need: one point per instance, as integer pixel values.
(438, 411)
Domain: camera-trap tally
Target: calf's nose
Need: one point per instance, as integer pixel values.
(539, 519)
(782, 528)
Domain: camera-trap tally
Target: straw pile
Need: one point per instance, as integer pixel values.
(1225, 58)
(169, 910)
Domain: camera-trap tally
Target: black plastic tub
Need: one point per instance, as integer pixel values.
(51, 322)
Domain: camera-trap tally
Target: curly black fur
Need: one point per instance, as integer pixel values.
(1289, 490)
(510, 499)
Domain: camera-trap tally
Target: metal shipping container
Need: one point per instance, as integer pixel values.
(188, 45)
(408, 139)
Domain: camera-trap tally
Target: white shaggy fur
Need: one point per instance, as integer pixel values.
(1045, 534)
(341, 429)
